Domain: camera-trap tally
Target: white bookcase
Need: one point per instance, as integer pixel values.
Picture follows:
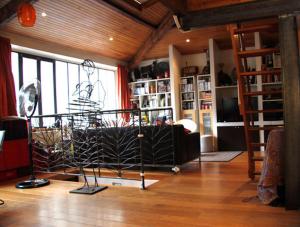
(188, 93)
(150, 94)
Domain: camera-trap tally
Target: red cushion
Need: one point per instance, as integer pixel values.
(14, 154)
(187, 131)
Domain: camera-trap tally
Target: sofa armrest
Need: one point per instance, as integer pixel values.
(187, 147)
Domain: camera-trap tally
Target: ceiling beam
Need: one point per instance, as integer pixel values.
(113, 6)
(176, 6)
(9, 11)
(237, 13)
(154, 37)
(149, 3)
(134, 4)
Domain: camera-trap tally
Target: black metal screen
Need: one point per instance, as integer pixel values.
(104, 141)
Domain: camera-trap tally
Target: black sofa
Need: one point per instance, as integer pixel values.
(161, 146)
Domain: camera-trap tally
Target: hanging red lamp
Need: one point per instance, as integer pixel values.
(26, 15)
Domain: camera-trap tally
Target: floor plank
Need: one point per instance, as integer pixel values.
(215, 194)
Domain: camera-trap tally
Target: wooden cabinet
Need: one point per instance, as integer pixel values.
(205, 122)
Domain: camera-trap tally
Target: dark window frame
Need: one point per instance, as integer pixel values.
(21, 55)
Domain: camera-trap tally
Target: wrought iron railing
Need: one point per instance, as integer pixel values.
(111, 141)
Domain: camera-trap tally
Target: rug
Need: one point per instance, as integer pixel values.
(118, 181)
(220, 156)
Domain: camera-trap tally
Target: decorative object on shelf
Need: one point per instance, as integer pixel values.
(161, 70)
(206, 69)
(157, 70)
(189, 70)
(28, 100)
(146, 72)
(223, 78)
(26, 15)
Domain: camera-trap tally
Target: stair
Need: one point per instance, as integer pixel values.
(256, 53)
(247, 92)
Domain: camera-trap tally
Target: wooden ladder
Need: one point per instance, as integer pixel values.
(248, 91)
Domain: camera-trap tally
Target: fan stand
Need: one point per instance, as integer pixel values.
(33, 182)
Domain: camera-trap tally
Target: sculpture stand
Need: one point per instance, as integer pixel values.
(87, 189)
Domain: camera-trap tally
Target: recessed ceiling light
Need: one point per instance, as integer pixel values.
(44, 14)
(188, 40)
(111, 38)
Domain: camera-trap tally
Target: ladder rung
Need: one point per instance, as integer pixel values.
(258, 144)
(258, 158)
(262, 73)
(264, 111)
(257, 52)
(267, 128)
(256, 28)
(256, 93)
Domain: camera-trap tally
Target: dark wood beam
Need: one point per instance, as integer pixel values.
(237, 13)
(176, 6)
(134, 4)
(9, 11)
(113, 6)
(289, 51)
(154, 37)
(149, 3)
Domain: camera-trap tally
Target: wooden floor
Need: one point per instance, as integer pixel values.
(218, 194)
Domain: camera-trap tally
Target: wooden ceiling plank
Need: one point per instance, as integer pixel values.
(155, 36)
(9, 11)
(238, 13)
(111, 5)
(176, 6)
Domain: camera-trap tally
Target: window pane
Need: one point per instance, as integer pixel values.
(95, 96)
(62, 93)
(107, 89)
(30, 74)
(29, 70)
(73, 82)
(47, 88)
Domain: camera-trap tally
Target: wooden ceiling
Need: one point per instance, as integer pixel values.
(193, 5)
(3, 3)
(88, 25)
(198, 41)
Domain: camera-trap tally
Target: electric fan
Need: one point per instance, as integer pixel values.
(28, 99)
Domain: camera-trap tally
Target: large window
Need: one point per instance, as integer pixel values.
(60, 82)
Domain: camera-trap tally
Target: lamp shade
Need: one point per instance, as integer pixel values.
(26, 15)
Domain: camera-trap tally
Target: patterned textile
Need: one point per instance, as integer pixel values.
(272, 173)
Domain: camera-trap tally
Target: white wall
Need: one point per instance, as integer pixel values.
(226, 57)
(194, 60)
